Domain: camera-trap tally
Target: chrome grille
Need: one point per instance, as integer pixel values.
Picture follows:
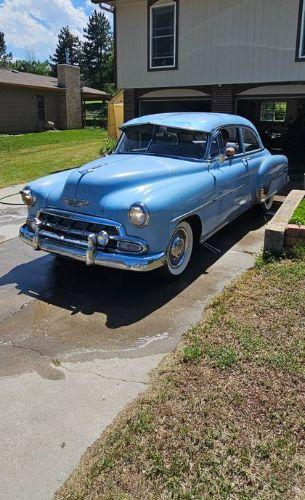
(75, 229)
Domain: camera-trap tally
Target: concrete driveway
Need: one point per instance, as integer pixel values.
(77, 344)
(12, 212)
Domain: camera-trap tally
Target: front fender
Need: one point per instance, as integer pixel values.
(43, 186)
(167, 201)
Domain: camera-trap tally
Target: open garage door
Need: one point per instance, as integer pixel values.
(279, 115)
(174, 100)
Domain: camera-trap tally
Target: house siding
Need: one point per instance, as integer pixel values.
(220, 42)
(18, 109)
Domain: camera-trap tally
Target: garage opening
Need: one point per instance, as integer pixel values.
(174, 100)
(280, 119)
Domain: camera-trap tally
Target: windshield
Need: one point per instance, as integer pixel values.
(163, 141)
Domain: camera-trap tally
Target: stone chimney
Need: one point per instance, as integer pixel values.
(70, 109)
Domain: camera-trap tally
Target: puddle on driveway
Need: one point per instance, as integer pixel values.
(81, 319)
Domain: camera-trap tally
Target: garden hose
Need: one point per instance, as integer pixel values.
(8, 203)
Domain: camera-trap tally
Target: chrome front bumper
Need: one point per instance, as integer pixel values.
(88, 253)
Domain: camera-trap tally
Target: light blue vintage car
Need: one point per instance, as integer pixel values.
(173, 180)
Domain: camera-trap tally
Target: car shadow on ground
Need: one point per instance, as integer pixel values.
(123, 297)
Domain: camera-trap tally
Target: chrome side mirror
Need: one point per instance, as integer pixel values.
(230, 152)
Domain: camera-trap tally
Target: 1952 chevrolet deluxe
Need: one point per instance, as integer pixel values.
(173, 180)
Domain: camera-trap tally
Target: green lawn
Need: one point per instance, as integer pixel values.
(26, 157)
(224, 417)
(299, 215)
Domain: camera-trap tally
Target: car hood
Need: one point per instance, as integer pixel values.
(86, 187)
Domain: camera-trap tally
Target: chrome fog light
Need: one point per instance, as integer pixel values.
(103, 238)
(138, 215)
(129, 246)
(28, 197)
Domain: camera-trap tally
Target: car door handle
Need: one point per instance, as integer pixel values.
(245, 161)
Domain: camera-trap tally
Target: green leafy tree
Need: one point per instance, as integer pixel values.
(5, 57)
(36, 67)
(66, 40)
(97, 62)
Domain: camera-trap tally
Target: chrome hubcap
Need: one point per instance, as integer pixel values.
(177, 248)
(269, 203)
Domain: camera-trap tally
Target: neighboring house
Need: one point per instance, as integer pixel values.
(244, 56)
(28, 101)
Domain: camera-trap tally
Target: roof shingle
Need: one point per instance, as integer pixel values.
(18, 78)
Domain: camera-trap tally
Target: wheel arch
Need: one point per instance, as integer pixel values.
(196, 225)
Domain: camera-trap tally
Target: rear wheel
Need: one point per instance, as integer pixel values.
(179, 251)
(266, 205)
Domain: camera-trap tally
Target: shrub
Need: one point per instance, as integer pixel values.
(108, 146)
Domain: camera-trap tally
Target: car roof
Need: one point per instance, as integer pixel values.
(201, 122)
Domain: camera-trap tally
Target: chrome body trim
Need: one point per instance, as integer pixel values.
(187, 214)
(89, 253)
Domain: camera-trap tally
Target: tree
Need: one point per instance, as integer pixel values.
(66, 40)
(97, 57)
(5, 57)
(36, 67)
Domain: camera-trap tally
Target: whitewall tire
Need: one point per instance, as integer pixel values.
(179, 250)
(267, 204)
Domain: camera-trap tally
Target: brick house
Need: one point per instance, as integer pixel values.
(244, 56)
(28, 101)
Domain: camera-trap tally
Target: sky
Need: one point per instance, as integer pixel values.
(31, 26)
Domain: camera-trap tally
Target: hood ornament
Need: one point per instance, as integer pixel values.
(88, 170)
(74, 202)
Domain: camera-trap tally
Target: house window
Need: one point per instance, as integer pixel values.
(41, 108)
(272, 111)
(300, 51)
(163, 36)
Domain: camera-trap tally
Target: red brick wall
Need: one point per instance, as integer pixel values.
(130, 104)
(222, 98)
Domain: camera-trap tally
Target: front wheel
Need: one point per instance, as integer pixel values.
(179, 251)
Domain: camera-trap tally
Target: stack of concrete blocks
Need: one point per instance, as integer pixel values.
(278, 230)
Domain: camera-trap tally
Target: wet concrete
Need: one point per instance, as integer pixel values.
(12, 212)
(78, 343)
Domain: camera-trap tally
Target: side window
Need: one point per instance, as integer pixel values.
(250, 140)
(227, 138)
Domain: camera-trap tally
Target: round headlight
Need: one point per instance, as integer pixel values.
(138, 215)
(28, 197)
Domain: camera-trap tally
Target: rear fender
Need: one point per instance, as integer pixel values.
(272, 175)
